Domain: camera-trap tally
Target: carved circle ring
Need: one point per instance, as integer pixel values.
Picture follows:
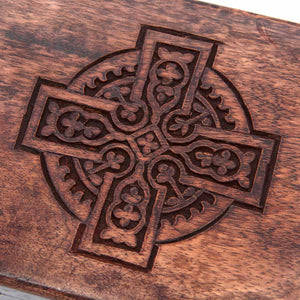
(216, 105)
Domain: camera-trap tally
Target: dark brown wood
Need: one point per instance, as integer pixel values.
(149, 151)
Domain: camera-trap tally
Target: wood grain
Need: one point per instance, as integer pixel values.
(161, 151)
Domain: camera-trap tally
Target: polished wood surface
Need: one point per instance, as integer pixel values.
(148, 151)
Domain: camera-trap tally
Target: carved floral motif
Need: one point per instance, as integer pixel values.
(73, 124)
(129, 207)
(167, 77)
(223, 162)
(148, 143)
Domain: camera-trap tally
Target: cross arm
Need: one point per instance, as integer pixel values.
(67, 123)
(232, 164)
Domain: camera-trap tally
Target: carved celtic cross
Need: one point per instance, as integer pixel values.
(148, 146)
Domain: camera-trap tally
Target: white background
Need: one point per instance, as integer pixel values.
(287, 9)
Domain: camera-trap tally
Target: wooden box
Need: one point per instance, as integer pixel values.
(149, 150)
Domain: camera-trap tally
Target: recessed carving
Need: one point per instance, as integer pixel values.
(148, 146)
